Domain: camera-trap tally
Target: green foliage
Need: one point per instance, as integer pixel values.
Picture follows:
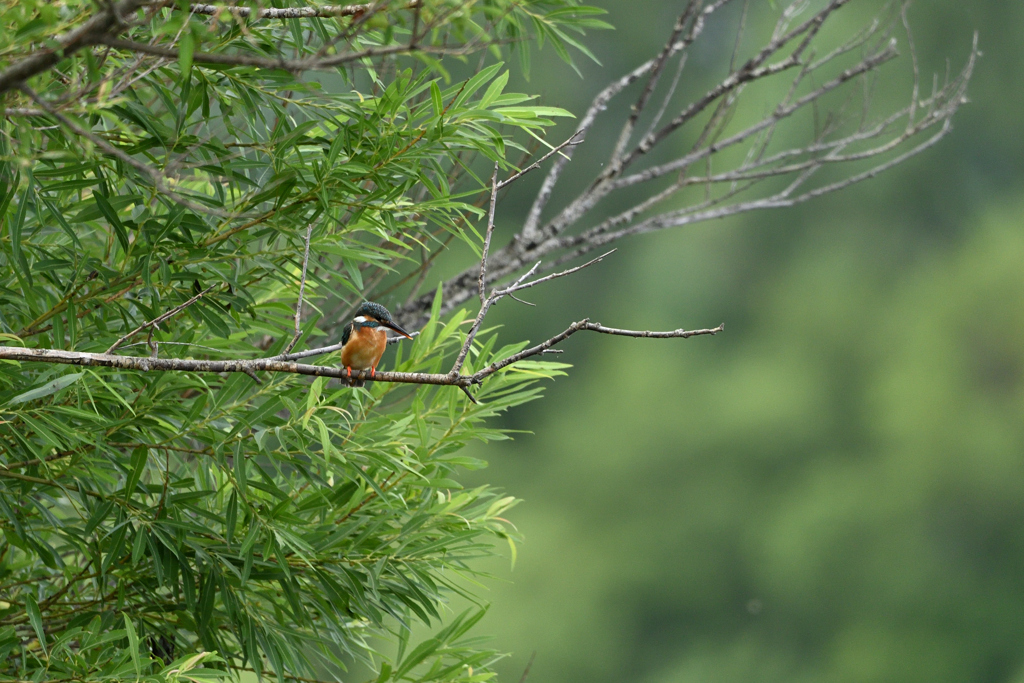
(174, 526)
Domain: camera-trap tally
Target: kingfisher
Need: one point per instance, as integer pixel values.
(364, 339)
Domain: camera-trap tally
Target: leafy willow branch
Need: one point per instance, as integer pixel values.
(113, 18)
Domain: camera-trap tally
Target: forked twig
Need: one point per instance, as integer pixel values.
(572, 141)
(517, 287)
(155, 322)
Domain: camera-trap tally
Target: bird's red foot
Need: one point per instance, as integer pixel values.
(373, 372)
(348, 371)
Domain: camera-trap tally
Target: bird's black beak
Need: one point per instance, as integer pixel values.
(395, 326)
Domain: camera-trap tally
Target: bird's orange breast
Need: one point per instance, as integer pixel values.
(364, 348)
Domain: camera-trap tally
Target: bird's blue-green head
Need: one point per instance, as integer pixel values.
(372, 314)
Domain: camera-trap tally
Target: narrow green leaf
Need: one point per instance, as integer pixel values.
(313, 398)
(435, 98)
(113, 394)
(61, 221)
(232, 517)
(5, 196)
(241, 470)
(138, 545)
(474, 83)
(138, 464)
(133, 645)
(15, 230)
(214, 321)
(512, 551)
(186, 48)
(35, 617)
(103, 204)
(494, 90)
(51, 387)
(422, 651)
(97, 516)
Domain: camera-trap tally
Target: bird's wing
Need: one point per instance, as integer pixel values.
(346, 333)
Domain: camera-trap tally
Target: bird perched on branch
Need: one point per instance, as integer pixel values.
(365, 338)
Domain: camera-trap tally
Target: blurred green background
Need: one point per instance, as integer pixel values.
(831, 490)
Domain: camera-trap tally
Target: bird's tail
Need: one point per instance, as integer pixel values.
(351, 381)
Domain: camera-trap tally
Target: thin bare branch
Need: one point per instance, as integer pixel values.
(498, 294)
(530, 233)
(915, 92)
(781, 112)
(740, 31)
(668, 95)
(252, 374)
(555, 150)
(488, 233)
(779, 200)
(36, 461)
(515, 287)
(754, 69)
(584, 324)
(487, 301)
(648, 334)
(310, 352)
(155, 322)
(692, 7)
(302, 291)
(10, 112)
(471, 335)
(522, 301)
